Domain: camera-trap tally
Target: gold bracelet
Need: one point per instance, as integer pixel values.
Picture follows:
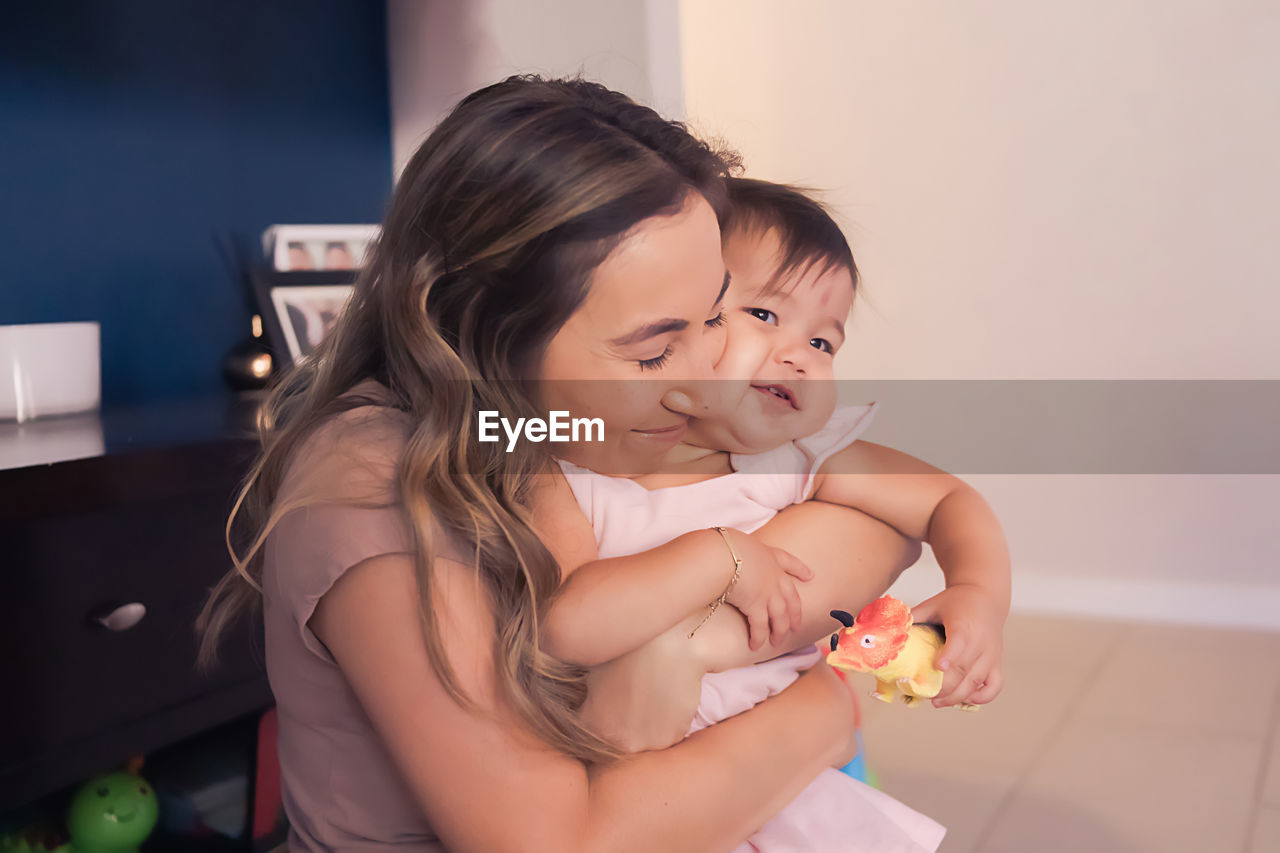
(737, 573)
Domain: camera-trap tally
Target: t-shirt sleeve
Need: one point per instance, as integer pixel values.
(341, 507)
(311, 547)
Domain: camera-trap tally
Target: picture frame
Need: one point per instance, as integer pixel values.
(307, 248)
(299, 308)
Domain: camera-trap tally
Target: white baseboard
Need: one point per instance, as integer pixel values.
(1227, 605)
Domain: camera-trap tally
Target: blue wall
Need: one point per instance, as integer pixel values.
(132, 133)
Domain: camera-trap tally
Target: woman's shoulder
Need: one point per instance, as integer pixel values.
(351, 456)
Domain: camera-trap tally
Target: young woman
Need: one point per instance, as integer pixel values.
(548, 237)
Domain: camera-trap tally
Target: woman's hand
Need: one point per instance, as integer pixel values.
(765, 592)
(646, 698)
(834, 691)
(972, 658)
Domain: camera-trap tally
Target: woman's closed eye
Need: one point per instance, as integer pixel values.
(764, 315)
(658, 362)
(716, 321)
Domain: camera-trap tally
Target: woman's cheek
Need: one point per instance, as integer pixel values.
(718, 342)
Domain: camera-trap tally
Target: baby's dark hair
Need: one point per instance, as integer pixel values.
(809, 237)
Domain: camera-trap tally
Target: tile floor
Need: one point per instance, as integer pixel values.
(1108, 737)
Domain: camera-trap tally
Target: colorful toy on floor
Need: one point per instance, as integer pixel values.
(111, 813)
(884, 642)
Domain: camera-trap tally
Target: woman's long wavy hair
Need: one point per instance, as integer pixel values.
(488, 247)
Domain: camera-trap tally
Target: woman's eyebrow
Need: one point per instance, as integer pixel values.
(724, 288)
(661, 327)
(650, 330)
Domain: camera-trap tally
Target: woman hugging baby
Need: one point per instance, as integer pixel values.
(670, 541)
(476, 648)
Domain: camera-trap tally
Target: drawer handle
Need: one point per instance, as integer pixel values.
(123, 617)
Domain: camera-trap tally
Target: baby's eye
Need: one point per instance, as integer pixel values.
(656, 363)
(823, 345)
(764, 315)
(715, 322)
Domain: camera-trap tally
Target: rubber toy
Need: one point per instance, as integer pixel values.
(884, 642)
(111, 813)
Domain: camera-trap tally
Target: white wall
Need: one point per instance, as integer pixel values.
(1033, 191)
(1043, 191)
(440, 50)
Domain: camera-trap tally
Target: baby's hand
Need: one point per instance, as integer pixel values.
(972, 658)
(766, 589)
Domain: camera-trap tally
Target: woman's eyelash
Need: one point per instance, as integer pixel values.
(655, 363)
(716, 321)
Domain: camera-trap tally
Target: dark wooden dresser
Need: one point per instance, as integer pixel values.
(97, 513)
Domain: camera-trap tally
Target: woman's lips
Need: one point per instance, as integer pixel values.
(778, 395)
(670, 434)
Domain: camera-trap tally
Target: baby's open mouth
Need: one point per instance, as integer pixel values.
(779, 391)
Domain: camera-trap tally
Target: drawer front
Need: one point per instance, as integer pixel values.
(66, 676)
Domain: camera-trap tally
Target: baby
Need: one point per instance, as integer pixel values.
(778, 440)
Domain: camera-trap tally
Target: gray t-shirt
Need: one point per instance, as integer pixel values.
(342, 791)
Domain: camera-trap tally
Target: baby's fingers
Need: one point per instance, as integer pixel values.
(757, 627)
(953, 650)
(779, 619)
(793, 565)
(988, 691)
(966, 674)
(794, 609)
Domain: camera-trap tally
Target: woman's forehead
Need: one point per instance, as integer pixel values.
(665, 264)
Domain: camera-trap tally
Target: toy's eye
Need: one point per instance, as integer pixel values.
(835, 641)
(103, 791)
(142, 789)
(868, 641)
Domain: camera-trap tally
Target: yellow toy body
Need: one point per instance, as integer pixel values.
(900, 655)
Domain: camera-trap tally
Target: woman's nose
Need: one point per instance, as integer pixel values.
(694, 392)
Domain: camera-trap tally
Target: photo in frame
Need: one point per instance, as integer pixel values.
(309, 248)
(300, 308)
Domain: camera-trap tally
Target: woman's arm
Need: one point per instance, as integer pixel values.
(485, 785)
(854, 558)
(646, 698)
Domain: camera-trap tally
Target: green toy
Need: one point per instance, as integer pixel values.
(112, 813)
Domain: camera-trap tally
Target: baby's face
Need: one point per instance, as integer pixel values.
(777, 368)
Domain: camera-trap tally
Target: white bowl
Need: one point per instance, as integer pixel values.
(48, 369)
